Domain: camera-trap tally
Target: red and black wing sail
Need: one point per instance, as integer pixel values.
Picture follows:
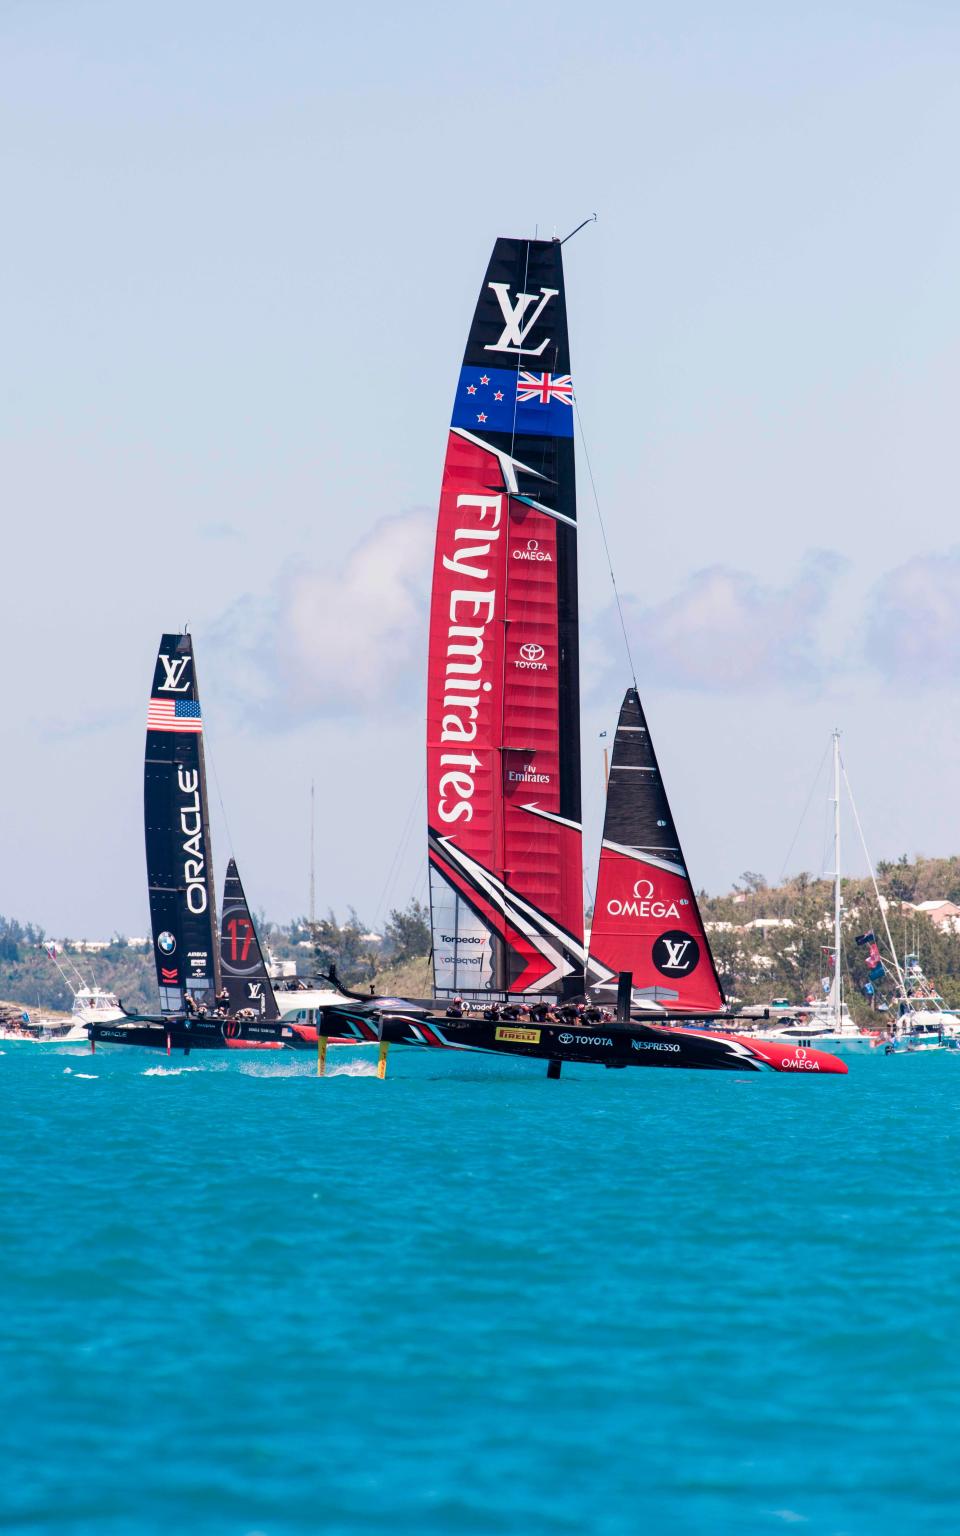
(646, 919)
(177, 829)
(242, 964)
(503, 695)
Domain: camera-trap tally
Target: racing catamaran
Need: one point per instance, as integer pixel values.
(194, 1009)
(503, 743)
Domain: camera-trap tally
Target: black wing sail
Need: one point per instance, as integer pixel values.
(242, 965)
(183, 911)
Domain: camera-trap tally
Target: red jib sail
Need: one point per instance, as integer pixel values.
(646, 919)
(503, 703)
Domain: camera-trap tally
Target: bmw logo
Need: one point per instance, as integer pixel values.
(166, 943)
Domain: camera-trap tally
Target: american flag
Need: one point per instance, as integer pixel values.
(544, 387)
(174, 715)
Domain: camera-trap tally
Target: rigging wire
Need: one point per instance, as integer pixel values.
(803, 814)
(401, 848)
(208, 753)
(603, 535)
(516, 393)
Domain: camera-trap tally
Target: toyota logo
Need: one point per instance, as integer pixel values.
(531, 652)
(566, 1039)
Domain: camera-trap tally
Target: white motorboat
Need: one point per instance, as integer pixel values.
(91, 1005)
(923, 1023)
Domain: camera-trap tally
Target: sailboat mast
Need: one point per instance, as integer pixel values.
(313, 915)
(837, 911)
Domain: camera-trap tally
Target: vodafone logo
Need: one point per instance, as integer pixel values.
(533, 552)
(532, 652)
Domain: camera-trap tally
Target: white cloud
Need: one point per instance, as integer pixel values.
(725, 630)
(913, 620)
(335, 641)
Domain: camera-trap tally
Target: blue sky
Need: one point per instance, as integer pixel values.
(241, 248)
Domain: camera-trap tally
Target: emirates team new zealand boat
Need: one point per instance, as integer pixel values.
(208, 998)
(503, 745)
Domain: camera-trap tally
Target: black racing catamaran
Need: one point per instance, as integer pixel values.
(195, 1011)
(503, 744)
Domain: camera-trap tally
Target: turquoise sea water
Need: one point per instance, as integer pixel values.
(236, 1298)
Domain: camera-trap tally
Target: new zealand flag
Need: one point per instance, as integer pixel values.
(508, 400)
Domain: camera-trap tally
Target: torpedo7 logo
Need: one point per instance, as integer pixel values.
(517, 324)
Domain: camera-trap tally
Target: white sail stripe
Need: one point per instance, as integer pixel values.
(595, 967)
(668, 865)
(526, 920)
(496, 893)
(505, 897)
(628, 768)
(564, 821)
(506, 462)
(524, 916)
(508, 466)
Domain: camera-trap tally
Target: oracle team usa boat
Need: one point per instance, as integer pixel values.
(195, 1010)
(503, 742)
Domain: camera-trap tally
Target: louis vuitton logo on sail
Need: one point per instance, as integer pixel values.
(471, 610)
(174, 668)
(517, 323)
(676, 951)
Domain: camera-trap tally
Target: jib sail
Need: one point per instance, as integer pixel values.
(646, 919)
(241, 958)
(177, 826)
(503, 710)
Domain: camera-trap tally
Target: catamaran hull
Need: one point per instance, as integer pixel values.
(344, 1026)
(177, 1036)
(610, 1046)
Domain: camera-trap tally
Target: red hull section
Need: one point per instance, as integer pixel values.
(776, 1056)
